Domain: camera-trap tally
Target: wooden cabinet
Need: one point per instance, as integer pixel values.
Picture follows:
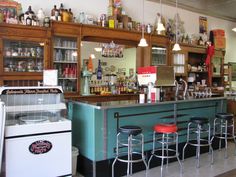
(190, 64)
(66, 40)
(26, 50)
(24, 53)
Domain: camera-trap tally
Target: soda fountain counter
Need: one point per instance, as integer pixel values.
(37, 133)
(95, 125)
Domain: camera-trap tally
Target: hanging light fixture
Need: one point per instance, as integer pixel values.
(143, 42)
(160, 26)
(234, 29)
(176, 46)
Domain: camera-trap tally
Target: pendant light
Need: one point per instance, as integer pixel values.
(160, 26)
(143, 42)
(176, 46)
(234, 29)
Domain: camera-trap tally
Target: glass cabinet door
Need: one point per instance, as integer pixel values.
(23, 56)
(65, 60)
(179, 63)
(159, 55)
(217, 66)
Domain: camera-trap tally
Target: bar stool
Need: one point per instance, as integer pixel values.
(169, 136)
(222, 123)
(134, 140)
(199, 126)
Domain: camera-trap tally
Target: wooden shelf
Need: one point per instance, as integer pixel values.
(64, 48)
(72, 62)
(22, 57)
(198, 72)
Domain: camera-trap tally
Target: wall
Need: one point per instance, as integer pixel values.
(134, 9)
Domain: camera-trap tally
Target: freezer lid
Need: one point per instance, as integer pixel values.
(30, 90)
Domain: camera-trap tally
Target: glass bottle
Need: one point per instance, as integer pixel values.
(53, 11)
(61, 10)
(99, 71)
(70, 15)
(65, 16)
(29, 12)
(90, 64)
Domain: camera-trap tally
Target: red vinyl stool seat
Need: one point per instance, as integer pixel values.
(165, 128)
(164, 135)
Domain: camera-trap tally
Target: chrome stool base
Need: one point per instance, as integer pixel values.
(199, 142)
(134, 142)
(166, 140)
(222, 123)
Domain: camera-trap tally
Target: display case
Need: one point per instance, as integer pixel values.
(36, 124)
(65, 60)
(159, 55)
(24, 53)
(23, 56)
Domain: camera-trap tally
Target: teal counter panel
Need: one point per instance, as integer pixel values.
(87, 131)
(94, 130)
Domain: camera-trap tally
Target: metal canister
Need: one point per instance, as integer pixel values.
(149, 28)
(103, 20)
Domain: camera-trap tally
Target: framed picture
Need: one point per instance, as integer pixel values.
(10, 8)
(202, 25)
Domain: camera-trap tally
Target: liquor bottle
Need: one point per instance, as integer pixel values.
(70, 15)
(90, 64)
(99, 70)
(53, 11)
(61, 10)
(29, 12)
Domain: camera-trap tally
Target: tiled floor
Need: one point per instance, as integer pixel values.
(220, 166)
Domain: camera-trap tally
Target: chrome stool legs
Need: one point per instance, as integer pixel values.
(200, 142)
(165, 151)
(221, 131)
(131, 144)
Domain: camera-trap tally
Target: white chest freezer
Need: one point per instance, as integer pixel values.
(37, 134)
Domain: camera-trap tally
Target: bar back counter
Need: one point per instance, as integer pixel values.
(95, 126)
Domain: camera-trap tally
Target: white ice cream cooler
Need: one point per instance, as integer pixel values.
(37, 134)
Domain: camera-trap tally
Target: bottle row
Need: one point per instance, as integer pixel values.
(68, 85)
(109, 89)
(60, 42)
(23, 52)
(65, 55)
(67, 71)
(23, 66)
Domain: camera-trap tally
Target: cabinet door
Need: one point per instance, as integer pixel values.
(65, 60)
(23, 61)
(180, 64)
(158, 55)
(217, 71)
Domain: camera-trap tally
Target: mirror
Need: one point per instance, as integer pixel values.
(115, 58)
(118, 63)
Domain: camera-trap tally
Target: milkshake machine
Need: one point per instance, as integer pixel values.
(86, 74)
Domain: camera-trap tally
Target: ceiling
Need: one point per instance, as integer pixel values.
(224, 9)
